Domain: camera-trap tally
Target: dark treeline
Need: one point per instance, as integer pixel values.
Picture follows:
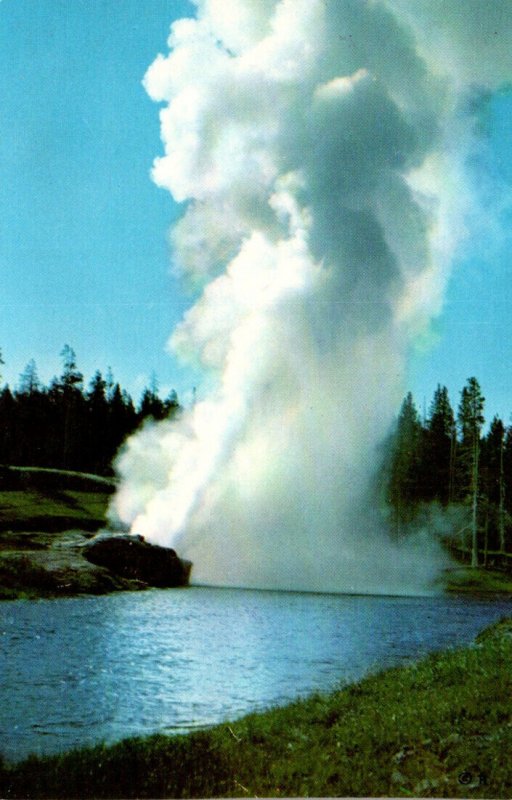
(67, 425)
(447, 459)
(444, 458)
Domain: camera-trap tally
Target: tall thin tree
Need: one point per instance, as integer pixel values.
(471, 420)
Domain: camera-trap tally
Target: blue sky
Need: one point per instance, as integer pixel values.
(84, 252)
(83, 241)
(473, 335)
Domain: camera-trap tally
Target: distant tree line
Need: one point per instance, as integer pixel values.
(445, 458)
(68, 426)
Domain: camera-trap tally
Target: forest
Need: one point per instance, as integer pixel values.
(68, 426)
(445, 462)
(441, 461)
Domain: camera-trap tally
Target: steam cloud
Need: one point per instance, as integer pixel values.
(319, 147)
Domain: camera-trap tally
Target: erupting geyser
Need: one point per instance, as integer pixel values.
(319, 148)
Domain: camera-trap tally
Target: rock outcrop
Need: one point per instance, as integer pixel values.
(132, 557)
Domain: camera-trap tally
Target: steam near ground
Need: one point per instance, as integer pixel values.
(318, 147)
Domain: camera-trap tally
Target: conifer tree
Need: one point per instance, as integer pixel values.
(66, 394)
(97, 424)
(471, 420)
(493, 476)
(439, 448)
(33, 422)
(405, 464)
(7, 425)
(29, 379)
(150, 403)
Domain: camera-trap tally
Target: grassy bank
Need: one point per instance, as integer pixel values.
(440, 728)
(51, 500)
(45, 517)
(477, 581)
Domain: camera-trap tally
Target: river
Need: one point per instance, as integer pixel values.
(78, 671)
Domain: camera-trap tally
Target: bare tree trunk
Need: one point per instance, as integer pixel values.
(486, 538)
(501, 511)
(474, 504)
(451, 480)
(398, 515)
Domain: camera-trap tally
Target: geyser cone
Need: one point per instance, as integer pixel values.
(313, 143)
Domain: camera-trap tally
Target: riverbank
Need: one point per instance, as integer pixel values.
(441, 727)
(46, 516)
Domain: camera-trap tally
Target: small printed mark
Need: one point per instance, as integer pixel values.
(467, 778)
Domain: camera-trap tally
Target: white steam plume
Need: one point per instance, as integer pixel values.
(319, 146)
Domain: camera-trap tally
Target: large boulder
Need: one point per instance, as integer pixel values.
(132, 557)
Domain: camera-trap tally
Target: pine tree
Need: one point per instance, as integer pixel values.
(97, 457)
(171, 405)
(122, 419)
(471, 420)
(33, 419)
(439, 449)
(403, 492)
(150, 403)
(7, 425)
(29, 379)
(69, 402)
(493, 475)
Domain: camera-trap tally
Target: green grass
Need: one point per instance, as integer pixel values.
(477, 581)
(31, 520)
(51, 500)
(52, 510)
(37, 509)
(438, 728)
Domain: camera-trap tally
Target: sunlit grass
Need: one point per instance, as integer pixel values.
(31, 508)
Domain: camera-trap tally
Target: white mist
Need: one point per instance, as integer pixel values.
(320, 151)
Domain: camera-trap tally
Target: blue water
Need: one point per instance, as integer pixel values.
(82, 670)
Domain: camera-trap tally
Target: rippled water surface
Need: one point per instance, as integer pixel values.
(78, 671)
